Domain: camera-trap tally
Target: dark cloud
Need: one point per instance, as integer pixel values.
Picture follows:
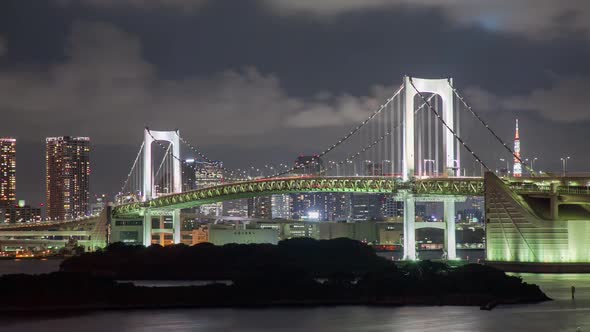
(564, 101)
(539, 19)
(184, 5)
(533, 18)
(106, 90)
(3, 47)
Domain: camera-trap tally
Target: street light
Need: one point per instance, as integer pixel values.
(564, 165)
(531, 162)
(507, 165)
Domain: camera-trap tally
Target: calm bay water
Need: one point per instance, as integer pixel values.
(563, 314)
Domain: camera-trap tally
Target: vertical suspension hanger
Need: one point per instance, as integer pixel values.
(436, 138)
(430, 141)
(458, 130)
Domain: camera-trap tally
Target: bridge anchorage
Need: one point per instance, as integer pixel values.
(409, 149)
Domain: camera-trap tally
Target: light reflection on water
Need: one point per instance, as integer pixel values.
(563, 314)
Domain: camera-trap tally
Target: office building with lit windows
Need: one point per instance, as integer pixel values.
(7, 172)
(209, 174)
(67, 162)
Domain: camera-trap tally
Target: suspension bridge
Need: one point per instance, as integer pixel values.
(411, 147)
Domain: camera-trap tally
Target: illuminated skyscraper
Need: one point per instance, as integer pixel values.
(7, 172)
(308, 165)
(67, 163)
(281, 206)
(209, 175)
(517, 165)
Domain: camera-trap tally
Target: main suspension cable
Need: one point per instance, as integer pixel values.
(447, 126)
(456, 92)
(132, 168)
(180, 160)
(376, 141)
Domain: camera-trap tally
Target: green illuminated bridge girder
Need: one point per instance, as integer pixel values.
(237, 190)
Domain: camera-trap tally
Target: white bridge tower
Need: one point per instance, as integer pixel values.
(149, 137)
(443, 88)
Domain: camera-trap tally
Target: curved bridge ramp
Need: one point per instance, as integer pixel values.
(523, 223)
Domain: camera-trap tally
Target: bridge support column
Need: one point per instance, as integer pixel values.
(554, 202)
(176, 224)
(147, 228)
(450, 238)
(409, 227)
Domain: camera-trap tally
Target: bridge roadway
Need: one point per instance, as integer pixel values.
(459, 186)
(569, 190)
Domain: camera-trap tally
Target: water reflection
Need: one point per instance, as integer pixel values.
(562, 314)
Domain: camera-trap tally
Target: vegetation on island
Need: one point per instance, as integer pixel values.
(295, 272)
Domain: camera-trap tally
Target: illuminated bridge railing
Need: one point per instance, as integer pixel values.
(545, 189)
(266, 187)
(450, 186)
(230, 191)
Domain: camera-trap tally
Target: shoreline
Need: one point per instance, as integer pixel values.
(526, 267)
(468, 301)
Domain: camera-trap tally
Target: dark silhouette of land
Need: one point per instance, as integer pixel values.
(295, 272)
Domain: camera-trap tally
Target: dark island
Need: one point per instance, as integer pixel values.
(300, 272)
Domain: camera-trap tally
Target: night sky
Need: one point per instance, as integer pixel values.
(255, 81)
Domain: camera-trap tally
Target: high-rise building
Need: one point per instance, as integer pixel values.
(308, 165)
(67, 162)
(236, 208)
(7, 173)
(366, 207)
(189, 175)
(392, 208)
(281, 206)
(22, 213)
(517, 165)
(209, 175)
(260, 207)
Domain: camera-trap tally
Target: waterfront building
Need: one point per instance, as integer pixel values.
(128, 231)
(22, 213)
(281, 206)
(260, 207)
(236, 208)
(366, 206)
(223, 236)
(195, 236)
(67, 182)
(300, 229)
(7, 172)
(392, 209)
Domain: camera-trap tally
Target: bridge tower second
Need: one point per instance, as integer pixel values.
(444, 89)
(149, 189)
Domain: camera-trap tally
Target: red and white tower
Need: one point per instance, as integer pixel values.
(517, 165)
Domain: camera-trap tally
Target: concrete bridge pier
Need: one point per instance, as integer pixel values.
(176, 225)
(147, 228)
(409, 227)
(450, 238)
(554, 202)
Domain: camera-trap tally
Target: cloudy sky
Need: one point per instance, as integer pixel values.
(251, 81)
